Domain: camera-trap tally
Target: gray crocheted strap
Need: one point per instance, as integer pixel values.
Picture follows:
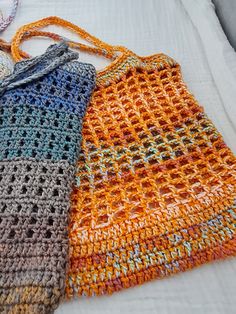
(54, 56)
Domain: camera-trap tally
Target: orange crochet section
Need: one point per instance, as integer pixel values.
(155, 182)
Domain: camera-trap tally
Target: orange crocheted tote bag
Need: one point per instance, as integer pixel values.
(155, 189)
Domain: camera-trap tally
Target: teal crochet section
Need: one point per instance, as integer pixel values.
(39, 133)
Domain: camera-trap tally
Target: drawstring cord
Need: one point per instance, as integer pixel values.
(58, 54)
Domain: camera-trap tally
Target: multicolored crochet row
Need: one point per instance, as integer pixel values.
(42, 105)
(155, 192)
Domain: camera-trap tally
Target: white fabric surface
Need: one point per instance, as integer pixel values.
(188, 31)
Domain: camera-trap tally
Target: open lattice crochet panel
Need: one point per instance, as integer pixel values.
(155, 181)
(40, 130)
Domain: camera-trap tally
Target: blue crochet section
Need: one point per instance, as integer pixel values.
(42, 118)
(59, 90)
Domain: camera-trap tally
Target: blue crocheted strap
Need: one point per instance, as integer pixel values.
(27, 131)
(30, 70)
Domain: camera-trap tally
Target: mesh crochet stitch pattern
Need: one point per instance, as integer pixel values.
(155, 191)
(41, 109)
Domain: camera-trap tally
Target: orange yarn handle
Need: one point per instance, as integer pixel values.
(6, 46)
(33, 29)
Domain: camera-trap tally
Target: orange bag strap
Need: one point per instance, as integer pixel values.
(33, 29)
(6, 46)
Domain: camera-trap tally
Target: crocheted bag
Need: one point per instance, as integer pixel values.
(155, 186)
(41, 109)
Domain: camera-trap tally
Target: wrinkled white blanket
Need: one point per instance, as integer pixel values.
(188, 31)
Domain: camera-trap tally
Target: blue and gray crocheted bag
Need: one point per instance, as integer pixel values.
(42, 105)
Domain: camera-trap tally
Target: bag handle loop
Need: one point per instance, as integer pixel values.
(33, 29)
(6, 46)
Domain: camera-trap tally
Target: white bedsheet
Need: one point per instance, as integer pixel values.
(187, 30)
